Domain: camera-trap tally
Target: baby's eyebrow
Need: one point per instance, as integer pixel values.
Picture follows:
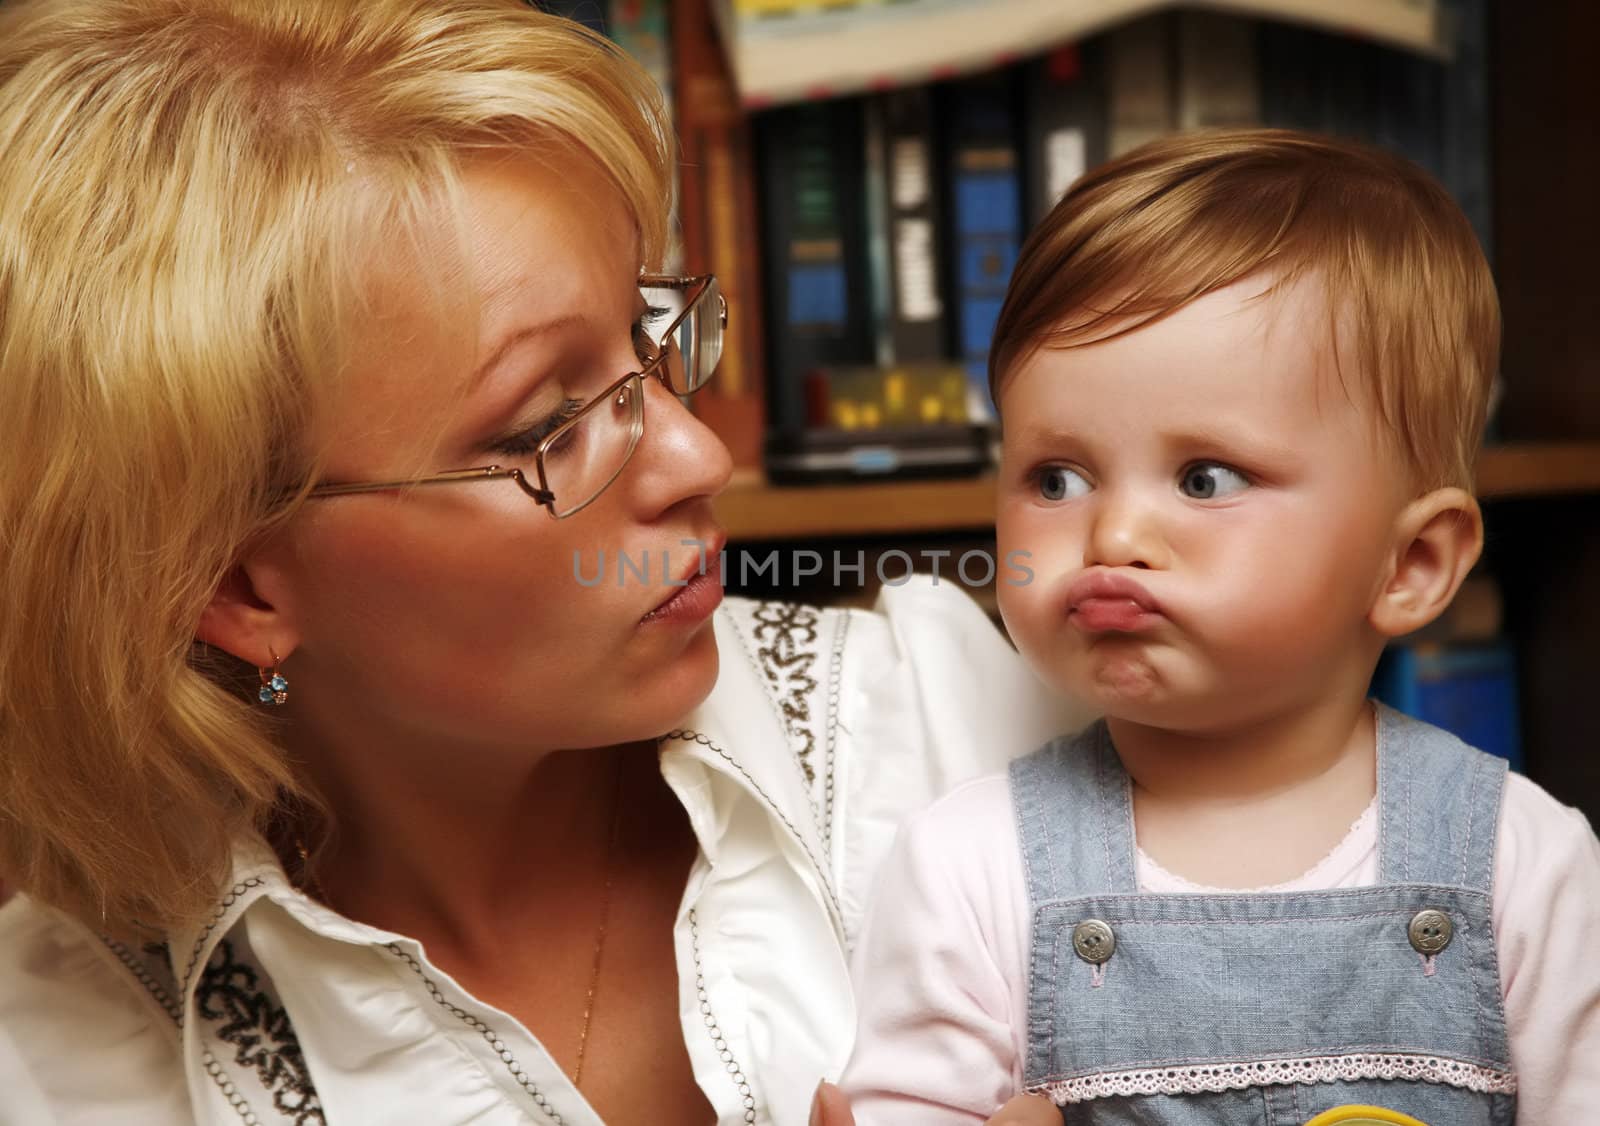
(1222, 438)
(1036, 433)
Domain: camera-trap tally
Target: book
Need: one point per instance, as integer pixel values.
(1406, 105)
(983, 176)
(1065, 121)
(1217, 83)
(880, 283)
(1287, 64)
(1431, 108)
(1141, 101)
(1465, 116)
(1470, 690)
(918, 328)
(590, 13)
(717, 210)
(813, 242)
(641, 28)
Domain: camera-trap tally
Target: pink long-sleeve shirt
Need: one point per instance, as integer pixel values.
(941, 978)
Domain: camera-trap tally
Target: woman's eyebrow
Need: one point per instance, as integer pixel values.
(518, 336)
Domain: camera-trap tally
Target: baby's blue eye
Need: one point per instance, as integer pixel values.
(1207, 480)
(1057, 482)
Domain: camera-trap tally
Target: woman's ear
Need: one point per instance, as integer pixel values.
(1438, 538)
(250, 614)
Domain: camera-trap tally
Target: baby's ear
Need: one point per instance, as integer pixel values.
(1438, 538)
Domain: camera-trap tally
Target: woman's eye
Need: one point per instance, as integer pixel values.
(524, 442)
(644, 338)
(1057, 482)
(1207, 480)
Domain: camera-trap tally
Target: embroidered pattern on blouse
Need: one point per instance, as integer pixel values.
(705, 741)
(154, 972)
(1195, 1079)
(231, 996)
(835, 672)
(212, 923)
(786, 634)
(155, 982)
(718, 1041)
(518, 1072)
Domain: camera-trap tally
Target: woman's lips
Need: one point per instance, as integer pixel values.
(1105, 602)
(698, 591)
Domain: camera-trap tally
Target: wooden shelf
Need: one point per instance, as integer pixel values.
(753, 510)
(1521, 469)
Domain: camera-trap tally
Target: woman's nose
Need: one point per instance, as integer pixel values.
(1126, 532)
(679, 457)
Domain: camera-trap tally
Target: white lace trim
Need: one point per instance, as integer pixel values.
(1203, 1078)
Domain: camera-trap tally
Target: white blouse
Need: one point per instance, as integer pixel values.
(825, 729)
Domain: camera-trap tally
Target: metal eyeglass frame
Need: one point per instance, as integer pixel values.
(694, 288)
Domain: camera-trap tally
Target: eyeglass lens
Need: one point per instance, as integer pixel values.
(587, 456)
(696, 345)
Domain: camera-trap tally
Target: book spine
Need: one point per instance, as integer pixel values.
(880, 279)
(1288, 63)
(918, 327)
(590, 13)
(1468, 690)
(1066, 121)
(1142, 101)
(985, 183)
(1464, 117)
(1348, 95)
(1217, 81)
(641, 28)
(813, 242)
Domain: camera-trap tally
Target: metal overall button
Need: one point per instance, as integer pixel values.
(1430, 931)
(1093, 941)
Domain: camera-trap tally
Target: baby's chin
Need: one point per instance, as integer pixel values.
(1134, 688)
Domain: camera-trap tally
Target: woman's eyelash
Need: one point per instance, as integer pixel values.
(644, 340)
(524, 442)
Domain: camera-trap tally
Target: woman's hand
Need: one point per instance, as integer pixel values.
(831, 1108)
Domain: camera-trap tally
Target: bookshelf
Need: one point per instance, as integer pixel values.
(750, 509)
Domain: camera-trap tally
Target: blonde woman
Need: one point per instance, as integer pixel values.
(327, 372)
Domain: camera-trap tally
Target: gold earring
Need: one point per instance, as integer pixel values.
(274, 685)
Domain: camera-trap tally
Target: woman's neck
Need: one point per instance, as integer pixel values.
(464, 851)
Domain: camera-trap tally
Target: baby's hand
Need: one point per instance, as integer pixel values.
(831, 1108)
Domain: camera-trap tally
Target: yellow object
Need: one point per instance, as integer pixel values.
(1363, 1116)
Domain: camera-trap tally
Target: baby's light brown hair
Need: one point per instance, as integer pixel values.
(1407, 282)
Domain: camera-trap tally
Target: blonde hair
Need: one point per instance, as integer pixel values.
(190, 191)
(1180, 217)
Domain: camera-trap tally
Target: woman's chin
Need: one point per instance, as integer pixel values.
(677, 688)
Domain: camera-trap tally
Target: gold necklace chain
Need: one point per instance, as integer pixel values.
(605, 916)
(310, 883)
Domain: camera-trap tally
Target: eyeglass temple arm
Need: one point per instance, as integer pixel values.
(481, 473)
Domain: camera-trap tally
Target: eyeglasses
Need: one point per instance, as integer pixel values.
(580, 458)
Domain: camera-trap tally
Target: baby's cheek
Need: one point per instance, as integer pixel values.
(1027, 618)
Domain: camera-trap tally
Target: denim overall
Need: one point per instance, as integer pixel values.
(1266, 1009)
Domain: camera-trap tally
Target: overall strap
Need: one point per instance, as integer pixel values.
(1074, 810)
(1439, 805)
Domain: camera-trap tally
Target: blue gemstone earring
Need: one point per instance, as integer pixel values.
(274, 686)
